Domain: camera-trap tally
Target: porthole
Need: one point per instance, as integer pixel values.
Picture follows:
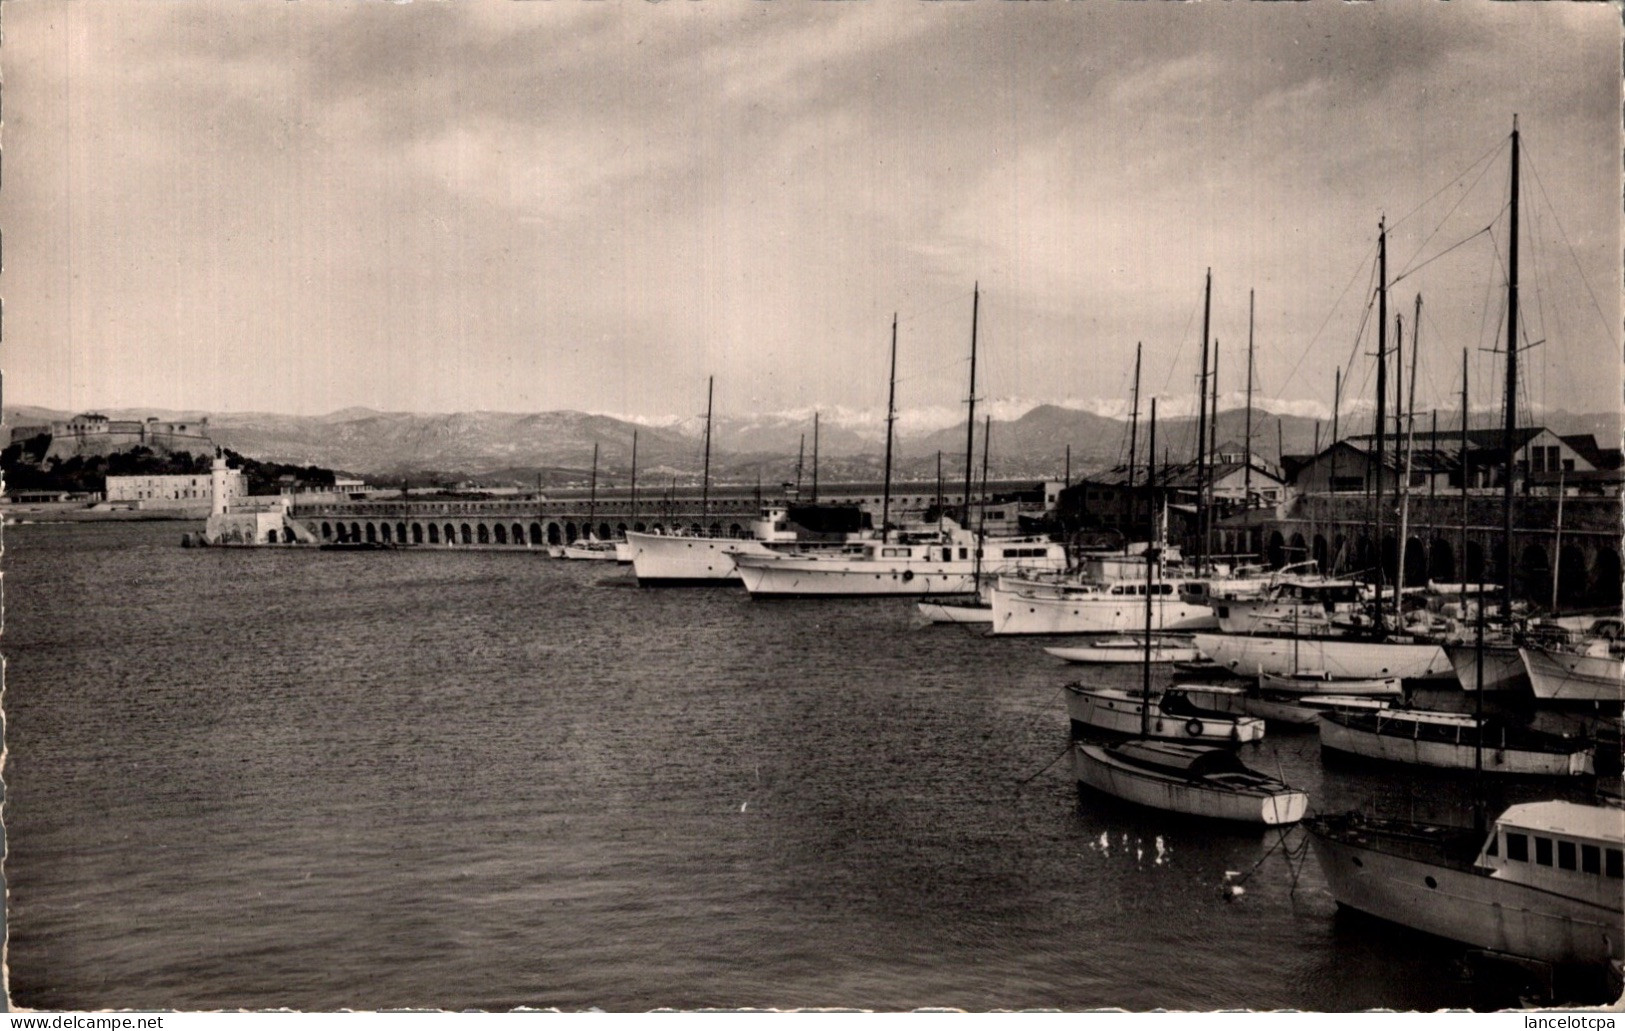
(1356, 860)
(1430, 882)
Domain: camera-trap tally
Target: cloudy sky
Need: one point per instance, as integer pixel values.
(595, 204)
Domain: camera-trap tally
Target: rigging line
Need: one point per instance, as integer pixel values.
(1184, 336)
(1487, 155)
(934, 308)
(1359, 333)
(1566, 242)
(1406, 267)
(1362, 263)
(1436, 257)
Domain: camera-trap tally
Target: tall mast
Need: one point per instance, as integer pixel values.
(1410, 446)
(1133, 435)
(891, 417)
(634, 480)
(970, 418)
(1247, 476)
(1201, 423)
(1512, 386)
(1382, 387)
(705, 483)
(939, 491)
(1067, 476)
(1213, 455)
(592, 493)
(801, 452)
(1337, 404)
(981, 515)
(1463, 463)
(1150, 559)
(815, 457)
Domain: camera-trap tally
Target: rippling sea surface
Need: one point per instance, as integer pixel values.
(268, 778)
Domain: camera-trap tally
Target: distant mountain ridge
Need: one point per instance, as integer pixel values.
(516, 447)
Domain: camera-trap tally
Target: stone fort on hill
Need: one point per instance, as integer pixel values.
(93, 434)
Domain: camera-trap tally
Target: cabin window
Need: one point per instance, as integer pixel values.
(1565, 855)
(1616, 863)
(1518, 847)
(1590, 859)
(962, 553)
(1543, 851)
(1165, 588)
(947, 554)
(893, 552)
(1118, 589)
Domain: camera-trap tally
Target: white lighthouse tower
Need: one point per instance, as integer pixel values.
(219, 490)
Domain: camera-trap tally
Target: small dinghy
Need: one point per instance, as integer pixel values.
(1312, 682)
(1127, 651)
(1300, 711)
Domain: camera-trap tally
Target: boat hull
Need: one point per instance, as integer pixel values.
(946, 612)
(1110, 711)
(1503, 668)
(1094, 768)
(1567, 677)
(1348, 659)
(1301, 712)
(675, 561)
(1403, 741)
(1017, 613)
(1313, 685)
(1467, 906)
(1124, 654)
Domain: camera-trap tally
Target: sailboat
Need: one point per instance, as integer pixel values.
(1190, 779)
(901, 564)
(1457, 740)
(1590, 669)
(977, 609)
(588, 547)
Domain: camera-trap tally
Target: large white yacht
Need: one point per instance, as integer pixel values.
(912, 565)
(680, 559)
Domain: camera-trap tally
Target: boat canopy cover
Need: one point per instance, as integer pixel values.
(1176, 758)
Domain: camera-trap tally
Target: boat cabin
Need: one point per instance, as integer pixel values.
(1332, 596)
(1563, 847)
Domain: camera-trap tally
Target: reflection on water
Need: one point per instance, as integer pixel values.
(321, 780)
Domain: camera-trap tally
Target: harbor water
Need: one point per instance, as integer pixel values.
(293, 778)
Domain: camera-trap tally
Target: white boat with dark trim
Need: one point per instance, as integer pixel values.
(1292, 604)
(589, 549)
(1193, 780)
(1591, 670)
(1285, 710)
(1451, 740)
(1098, 608)
(1128, 650)
(1348, 658)
(907, 565)
(1173, 717)
(1306, 682)
(1546, 883)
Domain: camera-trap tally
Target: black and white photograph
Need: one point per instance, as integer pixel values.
(762, 505)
